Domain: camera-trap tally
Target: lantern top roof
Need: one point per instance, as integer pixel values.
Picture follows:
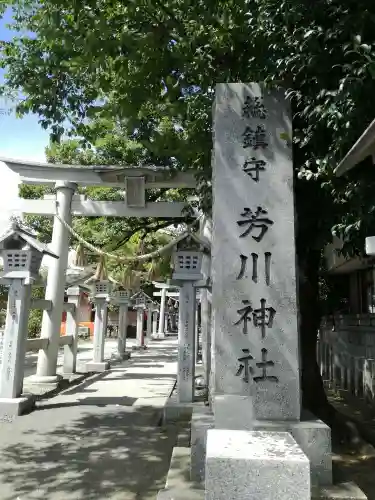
(191, 240)
(147, 300)
(142, 295)
(17, 236)
(94, 279)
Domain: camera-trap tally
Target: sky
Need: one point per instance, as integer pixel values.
(22, 139)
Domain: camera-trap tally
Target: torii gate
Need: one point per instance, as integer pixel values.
(66, 178)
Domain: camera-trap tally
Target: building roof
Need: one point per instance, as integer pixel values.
(364, 147)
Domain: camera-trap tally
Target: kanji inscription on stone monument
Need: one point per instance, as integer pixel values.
(255, 352)
(252, 167)
(255, 138)
(255, 262)
(254, 108)
(262, 316)
(255, 220)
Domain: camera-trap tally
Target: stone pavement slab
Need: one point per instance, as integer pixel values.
(94, 441)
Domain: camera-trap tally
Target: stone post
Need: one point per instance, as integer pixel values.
(122, 331)
(100, 326)
(196, 331)
(205, 336)
(51, 323)
(186, 343)
(149, 323)
(12, 354)
(140, 340)
(154, 324)
(70, 351)
(166, 322)
(205, 231)
(162, 313)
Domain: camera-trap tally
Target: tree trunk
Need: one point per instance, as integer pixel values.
(313, 394)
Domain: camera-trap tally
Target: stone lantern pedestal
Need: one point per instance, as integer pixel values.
(101, 297)
(140, 337)
(141, 301)
(186, 273)
(12, 352)
(122, 299)
(22, 255)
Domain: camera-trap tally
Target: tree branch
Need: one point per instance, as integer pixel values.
(146, 227)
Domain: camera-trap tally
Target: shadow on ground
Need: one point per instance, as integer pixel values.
(112, 454)
(91, 442)
(350, 464)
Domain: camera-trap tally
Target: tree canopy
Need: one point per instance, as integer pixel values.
(151, 67)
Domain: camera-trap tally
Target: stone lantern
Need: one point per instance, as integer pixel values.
(101, 290)
(187, 264)
(139, 300)
(139, 304)
(187, 258)
(22, 257)
(121, 296)
(22, 254)
(152, 309)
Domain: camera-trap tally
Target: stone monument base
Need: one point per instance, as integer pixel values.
(13, 407)
(202, 420)
(255, 465)
(181, 486)
(96, 366)
(123, 356)
(139, 347)
(311, 434)
(158, 336)
(49, 381)
(174, 410)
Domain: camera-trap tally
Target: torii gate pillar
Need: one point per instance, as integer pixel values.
(51, 323)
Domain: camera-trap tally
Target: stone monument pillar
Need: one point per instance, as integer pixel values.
(154, 324)
(121, 297)
(253, 254)
(122, 330)
(186, 343)
(100, 326)
(255, 348)
(205, 232)
(197, 331)
(163, 298)
(140, 339)
(149, 322)
(166, 322)
(205, 336)
(70, 354)
(51, 322)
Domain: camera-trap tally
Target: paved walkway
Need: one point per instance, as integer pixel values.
(98, 440)
(84, 354)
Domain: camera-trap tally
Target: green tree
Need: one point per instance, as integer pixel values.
(153, 65)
